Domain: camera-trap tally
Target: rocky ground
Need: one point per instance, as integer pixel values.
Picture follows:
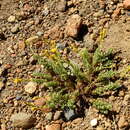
(72, 24)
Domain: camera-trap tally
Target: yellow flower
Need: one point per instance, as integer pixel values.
(17, 80)
(54, 50)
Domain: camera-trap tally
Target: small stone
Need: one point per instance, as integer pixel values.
(39, 33)
(18, 97)
(94, 122)
(40, 102)
(60, 46)
(69, 114)
(122, 122)
(15, 29)
(31, 39)
(73, 26)
(53, 127)
(23, 120)
(57, 115)
(30, 87)
(11, 19)
(62, 5)
(45, 12)
(126, 4)
(49, 116)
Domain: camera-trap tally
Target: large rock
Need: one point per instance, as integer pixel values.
(126, 4)
(73, 26)
(23, 120)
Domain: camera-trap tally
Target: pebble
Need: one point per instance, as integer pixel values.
(49, 116)
(94, 122)
(57, 115)
(39, 33)
(126, 4)
(69, 114)
(31, 39)
(73, 26)
(53, 127)
(30, 87)
(18, 97)
(23, 120)
(45, 12)
(60, 46)
(11, 19)
(40, 102)
(15, 29)
(62, 5)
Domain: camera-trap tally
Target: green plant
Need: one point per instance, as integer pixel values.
(67, 81)
(102, 106)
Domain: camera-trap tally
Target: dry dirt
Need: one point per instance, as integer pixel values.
(118, 38)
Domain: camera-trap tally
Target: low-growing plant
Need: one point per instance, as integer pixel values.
(94, 75)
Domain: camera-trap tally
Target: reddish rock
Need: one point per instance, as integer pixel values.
(54, 33)
(40, 102)
(73, 26)
(53, 127)
(116, 13)
(126, 4)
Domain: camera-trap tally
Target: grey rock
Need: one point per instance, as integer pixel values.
(39, 33)
(69, 114)
(23, 120)
(15, 29)
(18, 97)
(60, 46)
